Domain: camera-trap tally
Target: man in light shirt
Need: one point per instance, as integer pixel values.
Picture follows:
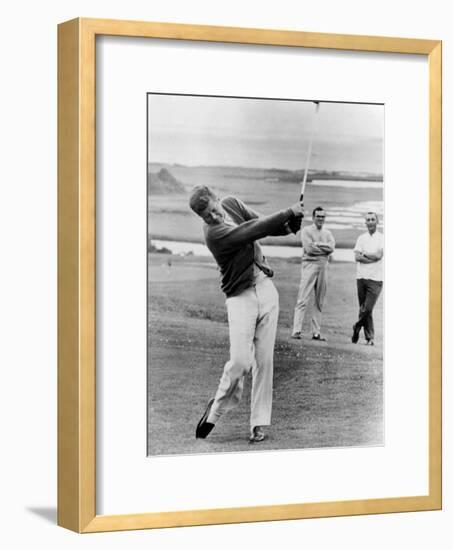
(368, 251)
(318, 244)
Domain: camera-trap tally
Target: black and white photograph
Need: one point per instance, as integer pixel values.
(265, 274)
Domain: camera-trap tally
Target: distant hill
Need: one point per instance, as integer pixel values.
(272, 174)
(163, 183)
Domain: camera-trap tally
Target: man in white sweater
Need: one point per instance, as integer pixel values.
(318, 244)
(369, 252)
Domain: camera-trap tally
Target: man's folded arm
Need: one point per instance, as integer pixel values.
(327, 248)
(375, 257)
(309, 246)
(362, 258)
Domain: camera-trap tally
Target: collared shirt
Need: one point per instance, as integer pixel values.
(370, 244)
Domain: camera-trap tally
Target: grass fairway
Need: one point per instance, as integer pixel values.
(325, 394)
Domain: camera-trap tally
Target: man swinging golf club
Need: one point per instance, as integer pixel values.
(231, 230)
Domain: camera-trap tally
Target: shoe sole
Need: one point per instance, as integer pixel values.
(257, 439)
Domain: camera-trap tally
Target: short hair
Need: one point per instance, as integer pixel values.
(199, 198)
(317, 209)
(374, 214)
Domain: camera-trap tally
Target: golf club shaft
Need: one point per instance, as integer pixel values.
(310, 145)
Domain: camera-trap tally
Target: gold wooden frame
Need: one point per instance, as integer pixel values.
(77, 261)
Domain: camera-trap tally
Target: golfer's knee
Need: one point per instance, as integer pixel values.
(238, 367)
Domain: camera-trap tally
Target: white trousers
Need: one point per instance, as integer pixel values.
(313, 277)
(252, 320)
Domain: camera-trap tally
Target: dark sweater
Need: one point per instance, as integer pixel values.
(234, 248)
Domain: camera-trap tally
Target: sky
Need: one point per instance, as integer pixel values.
(265, 133)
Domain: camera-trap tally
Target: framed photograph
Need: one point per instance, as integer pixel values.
(249, 275)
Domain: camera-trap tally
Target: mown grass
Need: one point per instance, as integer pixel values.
(325, 394)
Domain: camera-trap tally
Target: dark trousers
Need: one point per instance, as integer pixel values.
(368, 292)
